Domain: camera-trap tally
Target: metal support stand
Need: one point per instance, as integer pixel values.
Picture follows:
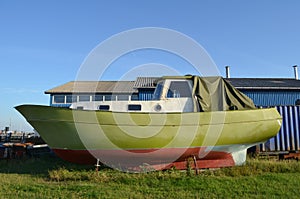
(97, 165)
(196, 165)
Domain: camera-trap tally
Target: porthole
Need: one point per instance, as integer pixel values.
(157, 107)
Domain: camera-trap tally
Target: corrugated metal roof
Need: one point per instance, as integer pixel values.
(265, 83)
(94, 87)
(145, 82)
(149, 82)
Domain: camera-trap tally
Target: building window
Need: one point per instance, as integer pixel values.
(134, 97)
(84, 98)
(122, 97)
(98, 97)
(109, 97)
(59, 99)
(71, 98)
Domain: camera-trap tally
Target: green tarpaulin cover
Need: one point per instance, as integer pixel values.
(216, 94)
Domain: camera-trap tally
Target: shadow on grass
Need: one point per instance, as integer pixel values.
(49, 163)
(38, 165)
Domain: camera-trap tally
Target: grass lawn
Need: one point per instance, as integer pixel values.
(50, 177)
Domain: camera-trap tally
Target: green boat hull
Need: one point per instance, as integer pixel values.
(132, 138)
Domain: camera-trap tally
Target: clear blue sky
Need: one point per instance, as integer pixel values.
(43, 43)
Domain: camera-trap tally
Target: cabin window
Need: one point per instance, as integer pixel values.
(79, 107)
(297, 103)
(158, 90)
(59, 99)
(103, 107)
(71, 98)
(84, 98)
(134, 107)
(179, 89)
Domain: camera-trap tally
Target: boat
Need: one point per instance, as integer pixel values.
(192, 121)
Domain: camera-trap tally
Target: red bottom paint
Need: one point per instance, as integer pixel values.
(157, 159)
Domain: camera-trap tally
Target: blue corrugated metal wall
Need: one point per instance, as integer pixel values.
(289, 135)
(145, 94)
(272, 98)
(51, 96)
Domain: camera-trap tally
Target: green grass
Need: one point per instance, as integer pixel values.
(50, 177)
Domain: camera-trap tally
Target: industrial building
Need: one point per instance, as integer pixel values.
(269, 91)
(263, 91)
